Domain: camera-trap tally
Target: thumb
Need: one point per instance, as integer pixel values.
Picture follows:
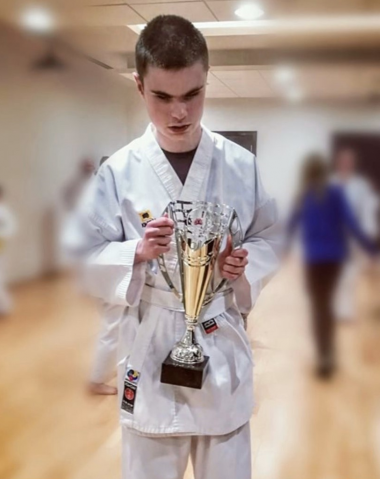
(228, 248)
(229, 244)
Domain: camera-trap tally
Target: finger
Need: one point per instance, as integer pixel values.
(151, 232)
(161, 250)
(155, 232)
(230, 260)
(165, 241)
(239, 253)
(165, 231)
(160, 240)
(236, 261)
(163, 221)
(230, 276)
(233, 270)
(228, 248)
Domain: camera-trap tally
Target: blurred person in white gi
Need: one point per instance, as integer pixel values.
(56, 215)
(365, 205)
(122, 229)
(105, 354)
(76, 186)
(7, 230)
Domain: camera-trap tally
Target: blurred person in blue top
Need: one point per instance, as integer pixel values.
(327, 222)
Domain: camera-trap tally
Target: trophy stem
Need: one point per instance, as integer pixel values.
(187, 350)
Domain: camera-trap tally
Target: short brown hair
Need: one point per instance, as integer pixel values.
(170, 42)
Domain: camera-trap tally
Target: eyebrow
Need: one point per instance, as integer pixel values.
(191, 92)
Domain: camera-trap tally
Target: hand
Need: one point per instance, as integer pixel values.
(232, 263)
(156, 239)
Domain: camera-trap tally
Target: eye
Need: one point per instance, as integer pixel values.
(163, 98)
(190, 97)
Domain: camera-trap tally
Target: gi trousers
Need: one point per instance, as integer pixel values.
(213, 457)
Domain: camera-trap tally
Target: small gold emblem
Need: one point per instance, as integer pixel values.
(145, 217)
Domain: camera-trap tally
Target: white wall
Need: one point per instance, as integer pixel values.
(49, 121)
(286, 133)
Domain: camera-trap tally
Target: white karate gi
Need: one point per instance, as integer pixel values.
(364, 204)
(7, 230)
(105, 351)
(105, 357)
(139, 178)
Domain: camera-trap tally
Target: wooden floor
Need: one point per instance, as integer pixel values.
(301, 429)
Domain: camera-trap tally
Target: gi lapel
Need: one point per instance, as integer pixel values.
(161, 165)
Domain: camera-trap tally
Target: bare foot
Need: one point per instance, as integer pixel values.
(102, 389)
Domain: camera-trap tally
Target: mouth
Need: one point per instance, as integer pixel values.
(179, 128)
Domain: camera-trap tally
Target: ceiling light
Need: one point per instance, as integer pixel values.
(37, 20)
(284, 74)
(249, 12)
(292, 27)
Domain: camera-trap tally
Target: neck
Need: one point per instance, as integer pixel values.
(182, 145)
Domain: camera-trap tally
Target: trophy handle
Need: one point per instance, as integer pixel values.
(162, 263)
(237, 241)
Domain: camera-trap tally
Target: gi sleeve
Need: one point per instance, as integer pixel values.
(95, 239)
(263, 241)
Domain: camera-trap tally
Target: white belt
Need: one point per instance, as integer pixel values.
(168, 300)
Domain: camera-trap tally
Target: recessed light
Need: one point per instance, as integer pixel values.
(37, 19)
(284, 74)
(249, 12)
(293, 27)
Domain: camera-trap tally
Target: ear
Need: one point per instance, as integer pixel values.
(139, 83)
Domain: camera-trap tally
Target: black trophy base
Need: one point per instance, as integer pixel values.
(187, 375)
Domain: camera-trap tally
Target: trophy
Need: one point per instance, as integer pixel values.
(200, 231)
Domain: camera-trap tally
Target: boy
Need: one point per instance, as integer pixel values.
(123, 230)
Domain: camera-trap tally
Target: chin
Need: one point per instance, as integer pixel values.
(178, 136)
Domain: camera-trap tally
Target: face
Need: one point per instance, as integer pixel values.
(175, 101)
(345, 163)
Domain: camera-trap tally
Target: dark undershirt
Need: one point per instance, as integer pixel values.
(180, 162)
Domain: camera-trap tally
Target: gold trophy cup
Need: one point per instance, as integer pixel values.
(200, 229)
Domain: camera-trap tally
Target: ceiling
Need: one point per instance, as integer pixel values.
(331, 47)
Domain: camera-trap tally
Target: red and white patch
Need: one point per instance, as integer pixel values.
(129, 394)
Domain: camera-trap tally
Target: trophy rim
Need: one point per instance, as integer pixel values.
(200, 202)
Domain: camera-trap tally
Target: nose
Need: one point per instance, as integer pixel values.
(179, 111)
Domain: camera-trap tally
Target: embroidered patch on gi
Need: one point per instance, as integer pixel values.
(129, 397)
(210, 325)
(133, 376)
(145, 217)
(130, 389)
